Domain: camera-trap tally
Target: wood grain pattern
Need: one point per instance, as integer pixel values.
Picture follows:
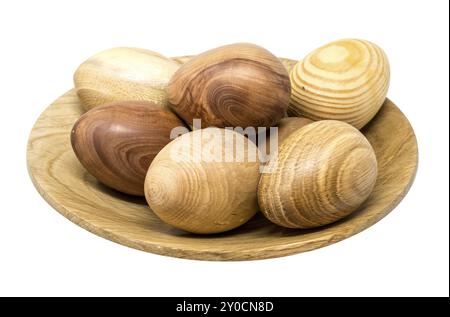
(322, 173)
(117, 142)
(346, 80)
(124, 73)
(211, 195)
(238, 85)
(286, 127)
(287, 63)
(65, 185)
(289, 125)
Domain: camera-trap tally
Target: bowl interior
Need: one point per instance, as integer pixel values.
(64, 183)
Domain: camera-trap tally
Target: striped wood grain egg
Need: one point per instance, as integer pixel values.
(346, 80)
(324, 171)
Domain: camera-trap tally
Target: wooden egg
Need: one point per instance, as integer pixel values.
(346, 80)
(235, 85)
(117, 142)
(202, 183)
(124, 73)
(324, 171)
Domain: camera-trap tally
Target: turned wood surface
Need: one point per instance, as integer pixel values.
(71, 190)
(237, 85)
(286, 127)
(211, 195)
(124, 73)
(117, 142)
(345, 80)
(289, 125)
(323, 172)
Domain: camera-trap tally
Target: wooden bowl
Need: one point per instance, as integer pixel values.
(65, 185)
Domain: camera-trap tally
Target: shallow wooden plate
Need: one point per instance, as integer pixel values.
(66, 186)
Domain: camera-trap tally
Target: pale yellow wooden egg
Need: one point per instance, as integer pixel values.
(123, 73)
(205, 181)
(346, 80)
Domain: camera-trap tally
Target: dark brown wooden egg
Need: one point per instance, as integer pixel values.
(234, 85)
(117, 142)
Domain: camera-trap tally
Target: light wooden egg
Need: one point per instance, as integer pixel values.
(324, 171)
(346, 80)
(123, 73)
(117, 142)
(234, 85)
(191, 187)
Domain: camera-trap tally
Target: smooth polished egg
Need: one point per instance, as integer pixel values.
(238, 85)
(124, 73)
(117, 142)
(205, 181)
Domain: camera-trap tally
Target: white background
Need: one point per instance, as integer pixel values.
(43, 42)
